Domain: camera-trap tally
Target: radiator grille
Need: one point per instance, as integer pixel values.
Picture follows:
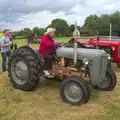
(103, 64)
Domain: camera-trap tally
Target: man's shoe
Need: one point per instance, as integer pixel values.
(47, 74)
(5, 72)
(51, 73)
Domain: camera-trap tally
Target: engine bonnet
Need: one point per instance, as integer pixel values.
(81, 53)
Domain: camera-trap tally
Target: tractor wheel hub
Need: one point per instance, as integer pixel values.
(19, 71)
(73, 92)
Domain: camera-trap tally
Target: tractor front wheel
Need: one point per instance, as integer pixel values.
(75, 90)
(109, 82)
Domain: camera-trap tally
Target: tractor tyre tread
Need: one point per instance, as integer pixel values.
(33, 80)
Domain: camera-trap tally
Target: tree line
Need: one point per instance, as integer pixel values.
(102, 24)
(93, 23)
(62, 29)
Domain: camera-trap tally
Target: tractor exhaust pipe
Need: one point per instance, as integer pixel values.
(75, 53)
(75, 45)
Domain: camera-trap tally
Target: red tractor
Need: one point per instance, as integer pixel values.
(112, 47)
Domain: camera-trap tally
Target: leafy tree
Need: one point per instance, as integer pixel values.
(36, 30)
(19, 33)
(102, 23)
(72, 28)
(93, 22)
(105, 24)
(26, 32)
(41, 31)
(115, 20)
(61, 26)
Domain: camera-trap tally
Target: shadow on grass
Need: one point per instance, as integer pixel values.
(49, 83)
(95, 94)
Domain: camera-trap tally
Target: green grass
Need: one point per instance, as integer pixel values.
(46, 104)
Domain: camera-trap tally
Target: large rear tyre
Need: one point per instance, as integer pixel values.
(109, 82)
(75, 90)
(23, 70)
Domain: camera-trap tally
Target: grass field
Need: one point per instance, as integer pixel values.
(46, 104)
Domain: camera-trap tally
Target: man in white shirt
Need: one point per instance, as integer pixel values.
(5, 48)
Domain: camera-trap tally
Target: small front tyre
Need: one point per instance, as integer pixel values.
(75, 90)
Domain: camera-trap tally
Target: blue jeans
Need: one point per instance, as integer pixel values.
(4, 60)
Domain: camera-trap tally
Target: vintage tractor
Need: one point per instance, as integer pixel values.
(88, 67)
(111, 47)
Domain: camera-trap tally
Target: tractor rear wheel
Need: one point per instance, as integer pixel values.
(75, 90)
(23, 69)
(109, 82)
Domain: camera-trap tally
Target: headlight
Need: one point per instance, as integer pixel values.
(86, 61)
(109, 57)
(113, 48)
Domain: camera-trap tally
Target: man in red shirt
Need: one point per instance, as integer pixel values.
(47, 48)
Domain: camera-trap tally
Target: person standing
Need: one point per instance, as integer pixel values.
(5, 44)
(1, 35)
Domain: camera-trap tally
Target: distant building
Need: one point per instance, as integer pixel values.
(81, 31)
(84, 31)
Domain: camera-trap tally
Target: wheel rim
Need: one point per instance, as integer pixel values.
(105, 83)
(73, 92)
(19, 71)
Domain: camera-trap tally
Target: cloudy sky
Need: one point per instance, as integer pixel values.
(17, 14)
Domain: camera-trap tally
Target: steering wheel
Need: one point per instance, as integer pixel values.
(71, 41)
(63, 44)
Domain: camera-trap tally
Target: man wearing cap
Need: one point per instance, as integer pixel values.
(5, 48)
(47, 48)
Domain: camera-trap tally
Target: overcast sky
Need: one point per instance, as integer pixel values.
(17, 14)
